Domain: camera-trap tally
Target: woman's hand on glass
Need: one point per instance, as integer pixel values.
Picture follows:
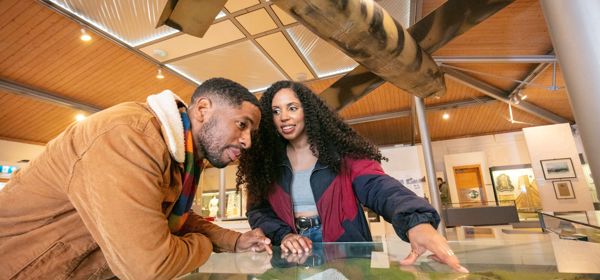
(295, 244)
(424, 237)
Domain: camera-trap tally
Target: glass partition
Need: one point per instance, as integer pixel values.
(569, 229)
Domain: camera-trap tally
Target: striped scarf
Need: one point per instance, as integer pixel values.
(190, 176)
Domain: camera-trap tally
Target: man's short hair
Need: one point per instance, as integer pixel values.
(224, 90)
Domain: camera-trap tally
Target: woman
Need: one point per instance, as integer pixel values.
(308, 174)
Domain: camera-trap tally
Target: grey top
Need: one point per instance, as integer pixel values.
(302, 195)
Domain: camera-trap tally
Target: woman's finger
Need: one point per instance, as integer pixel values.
(412, 257)
(286, 247)
(447, 256)
(296, 245)
(305, 244)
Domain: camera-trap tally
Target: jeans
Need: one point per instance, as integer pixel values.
(317, 256)
(314, 233)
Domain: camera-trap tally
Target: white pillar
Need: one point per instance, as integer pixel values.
(573, 27)
(429, 168)
(222, 197)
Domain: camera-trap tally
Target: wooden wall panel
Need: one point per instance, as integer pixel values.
(386, 132)
(504, 76)
(455, 91)
(479, 120)
(539, 93)
(518, 29)
(31, 120)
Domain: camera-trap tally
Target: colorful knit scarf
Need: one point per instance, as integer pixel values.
(190, 176)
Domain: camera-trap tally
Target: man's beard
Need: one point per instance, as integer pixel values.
(208, 144)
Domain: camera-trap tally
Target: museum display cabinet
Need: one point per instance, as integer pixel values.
(485, 259)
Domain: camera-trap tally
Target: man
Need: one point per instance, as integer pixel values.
(443, 188)
(111, 196)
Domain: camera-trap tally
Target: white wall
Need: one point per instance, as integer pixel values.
(488, 151)
(499, 149)
(12, 152)
(406, 162)
(553, 142)
(473, 158)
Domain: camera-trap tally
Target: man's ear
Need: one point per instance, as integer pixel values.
(201, 109)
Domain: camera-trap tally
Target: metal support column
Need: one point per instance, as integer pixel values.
(221, 194)
(573, 28)
(428, 155)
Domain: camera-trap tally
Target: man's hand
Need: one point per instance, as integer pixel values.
(255, 241)
(424, 237)
(295, 244)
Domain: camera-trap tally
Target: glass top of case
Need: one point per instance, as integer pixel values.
(488, 259)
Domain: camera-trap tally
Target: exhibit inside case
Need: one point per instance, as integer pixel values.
(516, 184)
(207, 201)
(587, 174)
(234, 204)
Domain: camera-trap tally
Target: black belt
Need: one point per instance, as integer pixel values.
(304, 223)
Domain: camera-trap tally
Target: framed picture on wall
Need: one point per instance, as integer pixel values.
(563, 189)
(559, 168)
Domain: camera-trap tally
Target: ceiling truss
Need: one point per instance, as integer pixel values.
(501, 95)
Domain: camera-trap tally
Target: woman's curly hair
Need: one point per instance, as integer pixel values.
(330, 140)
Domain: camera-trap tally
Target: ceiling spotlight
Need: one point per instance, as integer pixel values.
(522, 96)
(85, 36)
(301, 76)
(159, 53)
(445, 116)
(80, 117)
(515, 100)
(159, 74)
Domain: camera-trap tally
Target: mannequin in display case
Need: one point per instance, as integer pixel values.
(213, 206)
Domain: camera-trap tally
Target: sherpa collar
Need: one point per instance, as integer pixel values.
(165, 108)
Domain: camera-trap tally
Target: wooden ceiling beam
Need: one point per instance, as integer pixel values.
(46, 96)
(535, 72)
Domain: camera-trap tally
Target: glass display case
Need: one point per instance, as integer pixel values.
(587, 174)
(234, 204)
(207, 200)
(516, 184)
(380, 260)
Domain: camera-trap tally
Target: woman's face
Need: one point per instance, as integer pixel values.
(288, 115)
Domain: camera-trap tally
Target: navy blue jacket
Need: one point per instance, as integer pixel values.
(339, 198)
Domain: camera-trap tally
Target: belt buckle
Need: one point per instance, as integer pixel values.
(303, 223)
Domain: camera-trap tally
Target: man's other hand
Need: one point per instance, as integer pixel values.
(255, 241)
